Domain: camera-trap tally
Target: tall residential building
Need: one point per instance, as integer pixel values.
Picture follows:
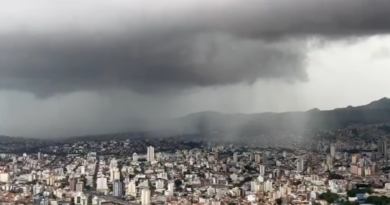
(95, 201)
(117, 174)
(382, 148)
(135, 157)
(268, 186)
(257, 158)
(254, 186)
(4, 177)
(72, 184)
(262, 170)
(79, 187)
(160, 184)
(101, 183)
(235, 157)
(39, 155)
(38, 189)
(171, 188)
(50, 181)
(276, 173)
(117, 188)
(216, 155)
(333, 151)
(251, 157)
(300, 164)
(145, 196)
(150, 154)
(354, 158)
(132, 190)
(329, 161)
(80, 199)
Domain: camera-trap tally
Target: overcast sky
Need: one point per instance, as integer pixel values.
(72, 67)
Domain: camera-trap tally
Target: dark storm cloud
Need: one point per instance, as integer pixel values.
(66, 46)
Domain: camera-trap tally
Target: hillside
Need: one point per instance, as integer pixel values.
(248, 124)
(211, 123)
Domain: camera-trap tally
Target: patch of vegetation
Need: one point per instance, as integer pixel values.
(378, 200)
(335, 176)
(353, 192)
(329, 197)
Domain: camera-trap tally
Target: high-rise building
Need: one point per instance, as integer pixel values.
(38, 189)
(284, 154)
(171, 189)
(329, 161)
(276, 173)
(300, 164)
(117, 174)
(354, 158)
(382, 148)
(135, 157)
(132, 190)
(37, 199)
(80, 199)
(257, 158)
(235, 157)
(39, 155)
(333, 151)
(251, 157)
(145, 196)
(216, 155)
(45, 201)
(150, 154)
(254, 186)
(82, 169)
(265, 159)
(95, 201)
(262, 170)
(72, 184)
(101, 183)
(50, 181)
(268, 186)
(79, 186)
(4, 177)
(159, 184)
(117, 188)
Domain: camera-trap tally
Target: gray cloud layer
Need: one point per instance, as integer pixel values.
(50, 47)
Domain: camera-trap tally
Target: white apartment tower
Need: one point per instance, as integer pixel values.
(333, 151)
(262, 170)
(132, 190)
(235, 157)
(145, 197)
(101, 183)
(150, 154)
(135, 157)
(300, 164)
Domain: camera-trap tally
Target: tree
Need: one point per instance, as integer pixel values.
(329, 197)
(353, 192)
(178, 182)
(378, 200)
(350, 203)
(335, 176)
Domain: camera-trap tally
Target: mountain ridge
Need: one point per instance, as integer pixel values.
(375, 112)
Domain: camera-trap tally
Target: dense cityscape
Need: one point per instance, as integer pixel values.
(339, 166)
